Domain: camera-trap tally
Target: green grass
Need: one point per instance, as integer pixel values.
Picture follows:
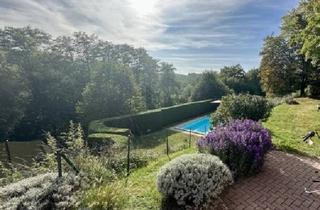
(156, 142)
(289, 123)
(140, 187)
(141, 184)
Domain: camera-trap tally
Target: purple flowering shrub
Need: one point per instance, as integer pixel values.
(240, 144)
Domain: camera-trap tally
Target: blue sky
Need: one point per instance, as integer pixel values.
(194, 35)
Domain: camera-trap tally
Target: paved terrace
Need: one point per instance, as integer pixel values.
(280, 185)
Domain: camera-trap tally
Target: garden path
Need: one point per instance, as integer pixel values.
(280, 185)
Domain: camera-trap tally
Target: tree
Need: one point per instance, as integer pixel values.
(80, 77)
(110, 92)
(234, 78)
(278, 66)
(301, 36)
(168, 84)
(209, 87)
(310, 35)
(301, 28)
(253, 82)
(14, 96)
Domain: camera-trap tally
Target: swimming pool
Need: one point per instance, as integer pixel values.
(200, 125)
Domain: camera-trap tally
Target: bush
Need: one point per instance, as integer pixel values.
(288, 99)
(41, 192)
(291, 101)
(193, 180)
(110, 196)
(240, 144)
(243, 106)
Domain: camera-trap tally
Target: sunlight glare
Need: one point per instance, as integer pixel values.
(144, 7)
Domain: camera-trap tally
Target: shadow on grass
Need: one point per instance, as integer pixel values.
(155, 139)
(288, 148)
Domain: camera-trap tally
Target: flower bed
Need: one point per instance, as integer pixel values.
(240, 144)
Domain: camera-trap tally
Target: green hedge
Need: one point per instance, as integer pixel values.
(100, 135)
(149, 121)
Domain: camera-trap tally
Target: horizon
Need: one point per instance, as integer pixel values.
(192, 36)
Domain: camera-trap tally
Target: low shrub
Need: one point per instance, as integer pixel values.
(110, 196)
(243, 106)
(240, 144)
(44, 191)
(291, 101)
(193, 180)
(118, 163)
(288, 99)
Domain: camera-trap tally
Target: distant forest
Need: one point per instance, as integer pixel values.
(47, 81)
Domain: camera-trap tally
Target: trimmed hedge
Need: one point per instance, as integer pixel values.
(149, 121)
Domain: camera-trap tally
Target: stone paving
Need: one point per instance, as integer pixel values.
(280, 185)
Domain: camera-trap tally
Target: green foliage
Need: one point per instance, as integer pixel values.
(311, 34)
(111, 91)
(313, 89)
(75, 77)
(253, 82)
(14, 96)
(239, 81)
(145, 122)
(290, 61)
(168, 85)
(108, 197)
(193, 180)
(301, 27)
(278, 66)
(209, 87)
(243, 106)
(9, 174)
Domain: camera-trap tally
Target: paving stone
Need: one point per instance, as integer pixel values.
(280, 185)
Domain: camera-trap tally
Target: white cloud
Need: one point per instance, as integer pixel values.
(153, 24)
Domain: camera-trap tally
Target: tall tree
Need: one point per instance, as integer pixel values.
(234, 78)
(168, 85)
(209, 87)
(110, 92)
(278, 67)
(253, 82)
(14, 96)
(295, 28)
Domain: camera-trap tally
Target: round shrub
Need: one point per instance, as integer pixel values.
(193, 180)
(243, 106)
(240, 144)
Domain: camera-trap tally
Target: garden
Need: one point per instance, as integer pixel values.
(167, 169)
(86, 123)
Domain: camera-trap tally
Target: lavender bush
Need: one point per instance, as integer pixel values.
(240, 144)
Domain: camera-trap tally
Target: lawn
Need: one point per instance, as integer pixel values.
(289, 123)
(141, 184)
(155, 143)
(140, 187)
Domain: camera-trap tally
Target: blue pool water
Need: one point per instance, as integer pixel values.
(199, 125)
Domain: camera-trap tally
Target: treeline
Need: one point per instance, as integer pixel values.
(45, 81)
(291, 61)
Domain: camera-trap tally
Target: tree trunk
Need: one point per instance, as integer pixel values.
(302, 88)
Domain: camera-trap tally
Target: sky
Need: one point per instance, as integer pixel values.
(193, 35)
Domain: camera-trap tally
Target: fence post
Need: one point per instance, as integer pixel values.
(59, 163)
(190, 138)
(69, 162)
(128, 155)
(167, 143)
(8, 150)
